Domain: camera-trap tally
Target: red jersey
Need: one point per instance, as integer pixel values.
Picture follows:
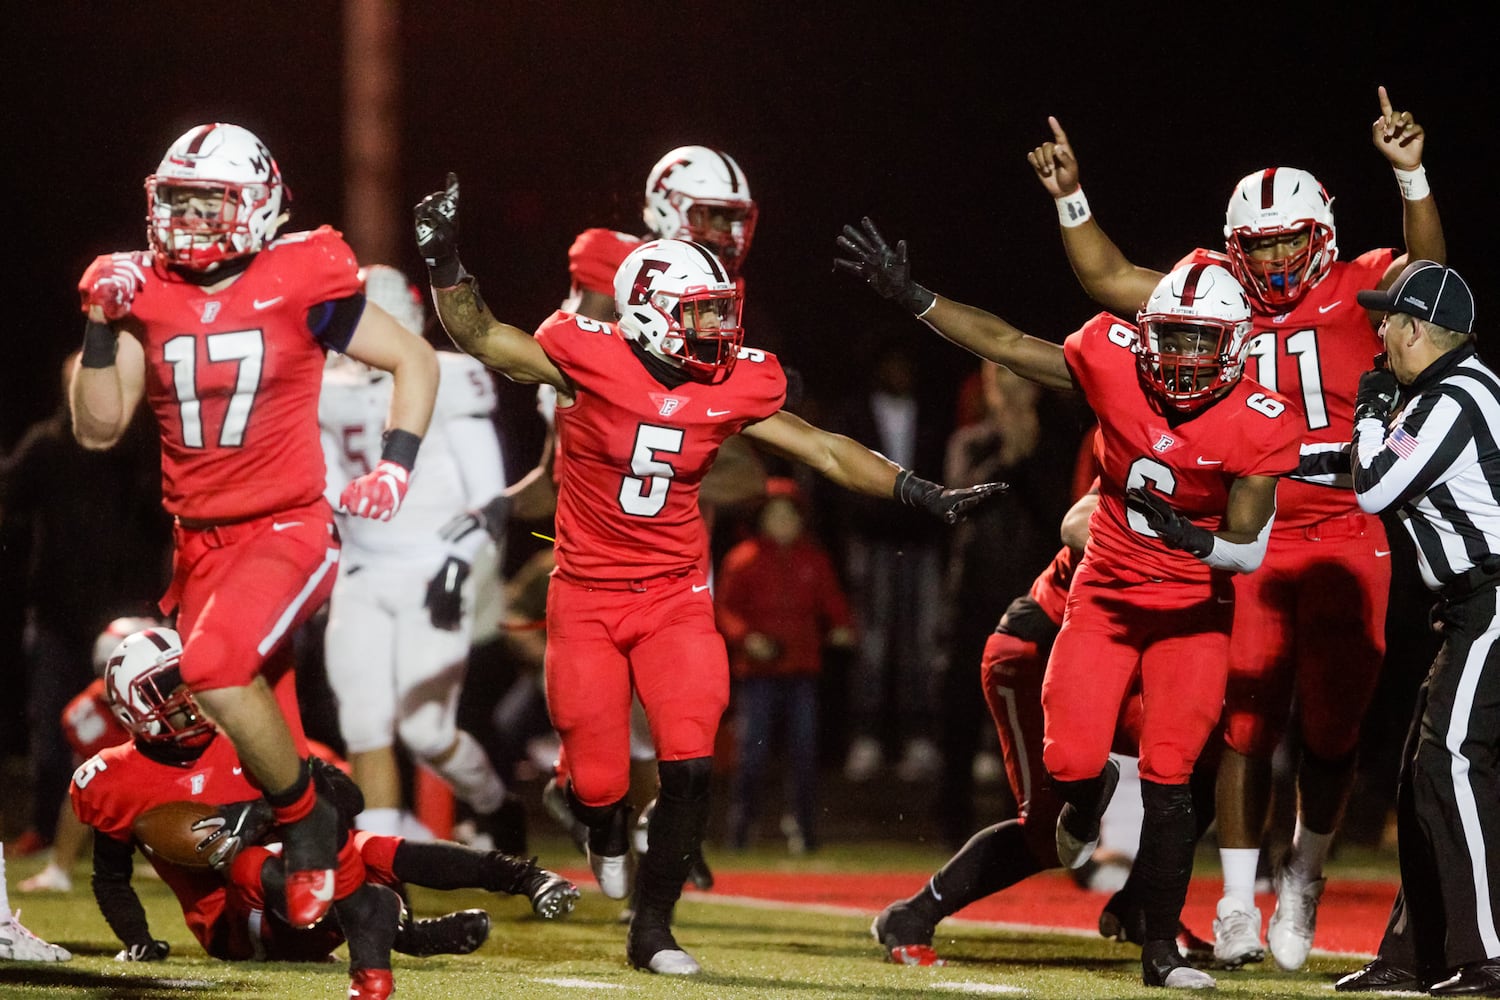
(1248, 432)
(635, 451)
(233, 377)
(595, 256)
(88, 724)
(1314, 355)
(115, 786)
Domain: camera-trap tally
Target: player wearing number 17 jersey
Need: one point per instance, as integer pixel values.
(223, 328)
(642, 406)
(1189, 453)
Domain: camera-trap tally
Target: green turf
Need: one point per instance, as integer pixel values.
(746, 952)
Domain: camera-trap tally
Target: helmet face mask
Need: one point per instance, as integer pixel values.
(676, 300)
(1192, 336)
(144, 682)
(1279, 235)
(216, 195)
(700, 194)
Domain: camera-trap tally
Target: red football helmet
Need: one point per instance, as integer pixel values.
(1192, 335)
(146, 693)
(213, 165)
(1280, 202)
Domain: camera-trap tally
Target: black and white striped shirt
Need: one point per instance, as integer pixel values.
(1437, 466)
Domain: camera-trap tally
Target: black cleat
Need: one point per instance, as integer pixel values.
(1379, 976)
(451, 934)
(1163, 965)
(551, 895)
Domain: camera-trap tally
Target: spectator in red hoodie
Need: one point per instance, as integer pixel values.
(779, 602)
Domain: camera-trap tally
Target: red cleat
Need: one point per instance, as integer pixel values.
(309, 894)
(371, 984)
(915, 954)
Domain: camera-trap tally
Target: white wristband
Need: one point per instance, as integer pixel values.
(1413, 183)
(1073, 209)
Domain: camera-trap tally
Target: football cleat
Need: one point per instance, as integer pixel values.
(456, 933)
(310, 857)
(1290, 934)
(1123, 920)
(49, 879)
(551, 895)
(906, 937)
(1237, 934)
(1162, 965)
(371, 984)
(614, 873)
(651, 947)
(1379, 976)
(1077, 834)
(17, 944)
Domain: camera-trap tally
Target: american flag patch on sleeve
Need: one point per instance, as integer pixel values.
(1402, 443)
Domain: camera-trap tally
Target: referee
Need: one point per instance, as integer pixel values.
(1427, 449)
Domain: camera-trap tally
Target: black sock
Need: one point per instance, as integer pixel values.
(439, 864)
(369, 916)
(995, 858)
(1164, 863)
(1084, 794)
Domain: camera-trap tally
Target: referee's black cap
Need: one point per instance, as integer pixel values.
(1427, 290)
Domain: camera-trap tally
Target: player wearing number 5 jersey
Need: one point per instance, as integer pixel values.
(1189, 452)
(223, 328)
(642, 406)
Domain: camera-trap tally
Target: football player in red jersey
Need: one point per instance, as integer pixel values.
(1189, 452)
(235, 904)
(224, 327)
(643, 405)
(1312, 621)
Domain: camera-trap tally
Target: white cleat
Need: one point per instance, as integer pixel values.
(49, 879)
(614, 873)
(17, 944)
(1188, 978)
(673, 962)
(1290, 935)
(1237, 934)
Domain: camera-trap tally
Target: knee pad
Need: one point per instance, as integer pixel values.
(686, 779)
(428, 731)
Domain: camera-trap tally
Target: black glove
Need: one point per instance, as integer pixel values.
(1175, 531)
(146, 951)
(437, 234)
(445, 599)
(952, 505)
(236, 825)
(882, 268)
(337, 787)
(490, 519)
(1376, 396)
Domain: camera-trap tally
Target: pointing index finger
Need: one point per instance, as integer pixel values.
(1058, 135)
(1385, 102)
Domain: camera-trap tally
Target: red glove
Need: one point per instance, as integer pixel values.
(111, 283)
(376, 494)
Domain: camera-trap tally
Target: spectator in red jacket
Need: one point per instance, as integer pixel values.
(779, 602)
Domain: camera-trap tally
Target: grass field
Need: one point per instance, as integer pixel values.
(802, 952)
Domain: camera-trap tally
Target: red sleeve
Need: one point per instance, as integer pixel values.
(323, 264)
(595, 256)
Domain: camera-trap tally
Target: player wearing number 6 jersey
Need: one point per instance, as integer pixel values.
(223, 328)
(1189, 452)
(642, 406)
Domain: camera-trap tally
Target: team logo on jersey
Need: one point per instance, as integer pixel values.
(667, 405)
(197, 782)
(1164, 442)
(210, 310)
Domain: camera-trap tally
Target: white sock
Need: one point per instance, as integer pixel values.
(385, 821)
(471, 775)
(1239, 865)
(1309, 851)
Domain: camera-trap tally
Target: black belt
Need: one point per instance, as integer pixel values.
(1484, 575)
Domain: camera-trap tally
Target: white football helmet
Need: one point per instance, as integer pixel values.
(392, 291)
(1192, 336)
(214, 159)
(700, 194)
(114, 633)
(677, 301)
(1280, 201)
(146, 693)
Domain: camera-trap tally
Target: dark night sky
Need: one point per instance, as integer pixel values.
(552, 112)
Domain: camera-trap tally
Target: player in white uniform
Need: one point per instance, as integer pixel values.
(401, 619)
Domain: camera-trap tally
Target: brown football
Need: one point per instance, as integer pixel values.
(166, 831)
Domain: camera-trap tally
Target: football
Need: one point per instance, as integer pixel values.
(166, 831)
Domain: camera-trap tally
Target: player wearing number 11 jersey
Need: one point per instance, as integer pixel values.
(1189, 453)
(642, 406)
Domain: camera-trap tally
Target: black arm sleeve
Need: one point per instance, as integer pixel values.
(332, 323)
(113, 864)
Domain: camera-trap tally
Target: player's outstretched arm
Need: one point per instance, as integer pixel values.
(1102, 269)
(868, 257)
(855, 467)
(114, 862)
(1401, 140)
(463, 313)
